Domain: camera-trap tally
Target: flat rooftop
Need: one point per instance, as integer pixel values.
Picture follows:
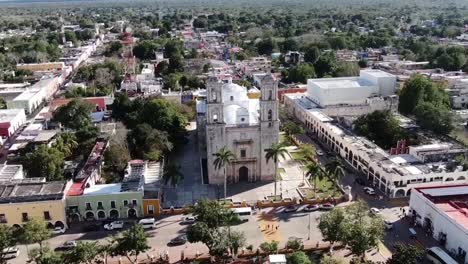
(6, 115)
(451, 200)
(378, 73)
(27, 95)
(30, 192)
(101, 189)
(340, 83)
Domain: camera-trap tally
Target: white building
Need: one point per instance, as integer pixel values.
(35, 95)
(443, 212)
(351, 90)
(395, 175)
(244, 125)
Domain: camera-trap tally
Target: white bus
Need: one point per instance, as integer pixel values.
(436, 255)
(243, 213)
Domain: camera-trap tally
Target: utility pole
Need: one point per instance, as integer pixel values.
(308, 238)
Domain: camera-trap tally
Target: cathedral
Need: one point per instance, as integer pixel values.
(245, 122)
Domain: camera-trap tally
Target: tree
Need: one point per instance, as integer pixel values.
(431, 117)
(6, 240)
(45, 256)
(335, 170)
(311, 54)
(84, 252)
(294, 244)
(44, 162)
(148, 143)
(362, 63)
(326, 64)
(270, 247)
(131, 243)
(116, 158)
(211, 215)
(266, 46)
(306, 152)
(330, 226)
(74, 115)
(299, 257)
(222, 158)
(36, 231)
(66, 143)
(361, 231)
(313, 171)
(346, 69)
(326, 259)
(274, 153)
(172, 174)
(300, 73)
(407, 254)
(290, 128)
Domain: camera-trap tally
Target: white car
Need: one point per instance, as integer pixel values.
(188, 220)
(114, 225)
(319, 152)
(369, 190)
(10, 253)
(375, 211)
(58, 230)
(147, 223)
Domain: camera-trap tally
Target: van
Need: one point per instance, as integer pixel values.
(147, 223)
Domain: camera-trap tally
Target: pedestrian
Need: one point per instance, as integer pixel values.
(277, 227)
(268, 226)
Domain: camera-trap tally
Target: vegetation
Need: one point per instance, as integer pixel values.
(274, 153)
(428, 103)
(353, 226)
(116, 157)
(299, 257)
(131, 243)
(406, 254)
(211, 217)
(6, 240)
(381, 127)
(222, 159)
(270, 247)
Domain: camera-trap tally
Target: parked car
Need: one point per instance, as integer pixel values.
(359, 181)
(180, 240)
(290, 209)
(188, 220)
(92, 227)
(375, 211)
(114, 225)
(68, 245)
(58, 230)
(10, 253)
(326, 206)
(147, 223)
(388, 225)
(369, 190)
(319, 152)
(311, 208)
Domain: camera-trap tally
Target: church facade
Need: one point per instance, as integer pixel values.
(244, 123)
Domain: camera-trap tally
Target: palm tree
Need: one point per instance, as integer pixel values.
(273, 153)
(335, 170)
(313, 171)
(172, 173)
(223, 158)
(306, 152)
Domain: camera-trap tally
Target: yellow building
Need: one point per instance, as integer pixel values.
(26, 199)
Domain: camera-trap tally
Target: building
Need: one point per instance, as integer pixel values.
(431, 163)
(294, 57)
(351, 90)
(24, 199)
(128, 199)
(11, 172)
(229, 118)
(442, 211)
(10, 121)
(350, 96)
(46, 66)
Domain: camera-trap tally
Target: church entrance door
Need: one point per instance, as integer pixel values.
(243, 174)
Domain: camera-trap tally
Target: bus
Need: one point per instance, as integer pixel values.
(243, 213)
(436, 255)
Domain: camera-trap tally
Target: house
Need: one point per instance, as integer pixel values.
(442, 211)
(10, 121)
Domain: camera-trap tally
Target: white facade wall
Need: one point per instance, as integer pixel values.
(371, 161)
(457, 235)
(385, 82)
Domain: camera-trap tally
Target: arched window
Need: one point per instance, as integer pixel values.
(215, 118)
(270, 114)
(270, 95)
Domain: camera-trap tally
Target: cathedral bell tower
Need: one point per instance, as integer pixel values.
(269, 123)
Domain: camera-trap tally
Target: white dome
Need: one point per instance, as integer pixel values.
(236, 115)
(234, 93)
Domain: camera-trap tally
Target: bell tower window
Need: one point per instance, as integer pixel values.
(270, 114)
(270, 95)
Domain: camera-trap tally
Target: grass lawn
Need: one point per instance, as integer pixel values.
(325, 188)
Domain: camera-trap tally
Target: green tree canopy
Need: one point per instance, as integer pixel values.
(45, 162)
(407, 254)
(131, 243)
(74, 115)
(300, 73)
(299, 257)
